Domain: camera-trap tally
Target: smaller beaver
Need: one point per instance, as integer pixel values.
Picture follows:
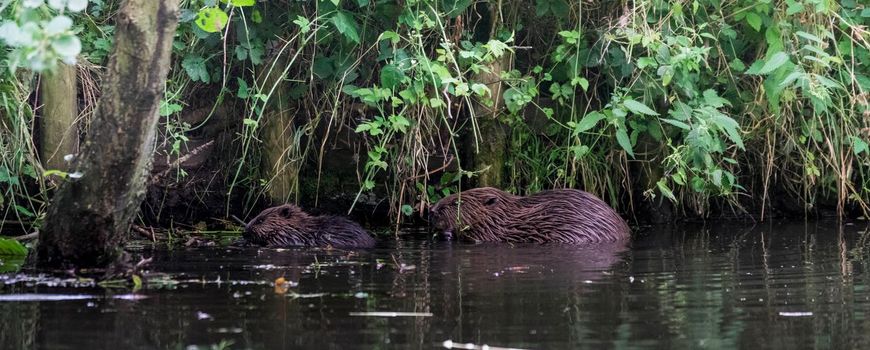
(562, 216)
(288, 226)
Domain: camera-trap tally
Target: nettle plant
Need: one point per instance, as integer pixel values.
(415, 88)
(41, 33)
(697, 129)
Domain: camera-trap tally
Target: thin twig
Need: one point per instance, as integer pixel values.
(238, 220)
(177, 163)
(445, 166)
(27, 237)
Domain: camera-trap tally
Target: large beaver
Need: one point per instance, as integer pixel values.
(288, 226)
(492, 215)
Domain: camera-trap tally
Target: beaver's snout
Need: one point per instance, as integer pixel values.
(438, 224)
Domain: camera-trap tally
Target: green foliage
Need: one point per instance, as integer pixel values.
(41, 34)
(11, 248)
(708, 97)
(211, 20)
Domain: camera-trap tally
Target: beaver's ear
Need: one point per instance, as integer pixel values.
(285, 212)
(490, 201)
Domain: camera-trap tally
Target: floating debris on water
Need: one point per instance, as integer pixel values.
(304, 296)
(449, 344)
(65, 297)
(45, 297)
(391, 314)
(795, 313)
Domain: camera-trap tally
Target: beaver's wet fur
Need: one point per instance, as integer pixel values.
(560, 216)
(289, 226)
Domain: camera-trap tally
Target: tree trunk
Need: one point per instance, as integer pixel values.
(279, 137)
(89, 217)
(58, 133)
(487, 153)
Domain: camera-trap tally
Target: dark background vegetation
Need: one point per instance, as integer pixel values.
(666, 109)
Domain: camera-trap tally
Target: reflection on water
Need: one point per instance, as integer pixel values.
(771, 286)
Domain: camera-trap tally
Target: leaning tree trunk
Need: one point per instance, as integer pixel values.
(488, 152)
(58, 133)
(90, 216)
(279, 136)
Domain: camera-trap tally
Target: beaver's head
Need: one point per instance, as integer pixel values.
(469, 213)
(284, 225)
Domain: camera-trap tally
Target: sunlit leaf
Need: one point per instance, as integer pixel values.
(676, 123)
(211, 19)
(754, 21)
(775, 61)
(239, 2)
(588, 122)
(665, 190)
(11, 247)
(638, 107)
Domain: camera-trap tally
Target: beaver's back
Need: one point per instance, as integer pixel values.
(341, 232)
(573, 216)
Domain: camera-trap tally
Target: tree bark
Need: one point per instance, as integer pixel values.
(58, 133)
(487, 153)
(89, 217)
(279, 136)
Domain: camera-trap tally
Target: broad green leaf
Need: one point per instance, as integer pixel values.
(582, 82)
(731, 128)
(665, 190)
(67, 45)
(392, 36)
(638, 108)
(435, 102)
(368, 185)
(858, 145)
(496, 47)
(809, 36)
(58, 25)
(775, 61)
(303, 23)
(791, 78)
(167, 109)
(211, 19)
(453, 8)
(588, 122)
(754, 21)
(794, 7)
(391, 76)
(24, 211)
(717, 177)
(737, 65)
(407, 210)
(623, 140)
(11, 247)
(195, 68)
(676, 123)
(346, 25)
(363, 127)
(239, 3)
(243, 88)
(712, 98)
(480, 89)
(77, 5)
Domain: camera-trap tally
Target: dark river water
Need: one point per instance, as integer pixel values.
(778, 286)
